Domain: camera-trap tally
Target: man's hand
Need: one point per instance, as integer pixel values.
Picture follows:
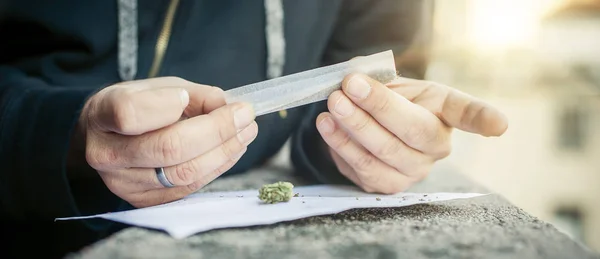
(386, 138)
(132, 128)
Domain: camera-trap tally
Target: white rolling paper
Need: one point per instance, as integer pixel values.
(206, 211)
(312, 85)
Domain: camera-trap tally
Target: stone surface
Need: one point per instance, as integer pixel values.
(483, 227)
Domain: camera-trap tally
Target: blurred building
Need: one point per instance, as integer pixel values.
(544, 73)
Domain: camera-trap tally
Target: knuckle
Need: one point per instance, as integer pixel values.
(419, 132)
(432, 85)
(420, 174)
(362, 163)
(227, 152)
(390, 149)
(470, 113)
(362, 123)
(368, 177)
(114, 185)
(92, 158)
(339, 143)
(221, 131)
(100, 158)
(184, 173)
(444, 151)
(361, 166)
(224, 168)
(195, 186)
(232, 149)
(381, 105)
(221, 170)
(169, 147)
(203, 181)
(123, 112)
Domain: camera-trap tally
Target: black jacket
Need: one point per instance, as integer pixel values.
(55, 54)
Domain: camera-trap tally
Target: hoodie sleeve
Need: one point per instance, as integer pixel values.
(364, 28)
(36, 124)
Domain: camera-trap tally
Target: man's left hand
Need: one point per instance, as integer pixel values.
(385, 138)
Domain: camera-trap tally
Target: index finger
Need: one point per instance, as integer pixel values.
(457, 109)
(187, 139)
(413, 124)
(466, 113)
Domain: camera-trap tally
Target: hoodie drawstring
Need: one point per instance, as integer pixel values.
(274, 32)
(128, 38)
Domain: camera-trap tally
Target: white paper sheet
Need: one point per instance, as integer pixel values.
(206, 211)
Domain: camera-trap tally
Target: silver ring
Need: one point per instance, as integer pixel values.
(162, 178)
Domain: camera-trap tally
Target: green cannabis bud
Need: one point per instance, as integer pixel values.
(276, 192)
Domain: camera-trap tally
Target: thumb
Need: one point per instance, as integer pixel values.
(134, 112)
(204, 99)
(467, 113)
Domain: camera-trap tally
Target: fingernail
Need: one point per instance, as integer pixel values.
(326, 126)
(185, 97)
(343, 107)
(243, 115)
(358, 87)
(247, 135)
(239, 155)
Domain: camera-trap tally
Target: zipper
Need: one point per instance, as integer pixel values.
(163, 42)
(163, 39)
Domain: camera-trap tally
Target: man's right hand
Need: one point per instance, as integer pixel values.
(134, 127)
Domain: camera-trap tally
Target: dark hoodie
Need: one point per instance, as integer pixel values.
(55, 54)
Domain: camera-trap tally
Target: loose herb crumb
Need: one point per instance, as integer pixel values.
(296, 195)
(276, 192)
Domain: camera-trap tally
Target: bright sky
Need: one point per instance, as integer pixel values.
(494, 24)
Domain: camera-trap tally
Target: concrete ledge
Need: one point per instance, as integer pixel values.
(484, 227)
